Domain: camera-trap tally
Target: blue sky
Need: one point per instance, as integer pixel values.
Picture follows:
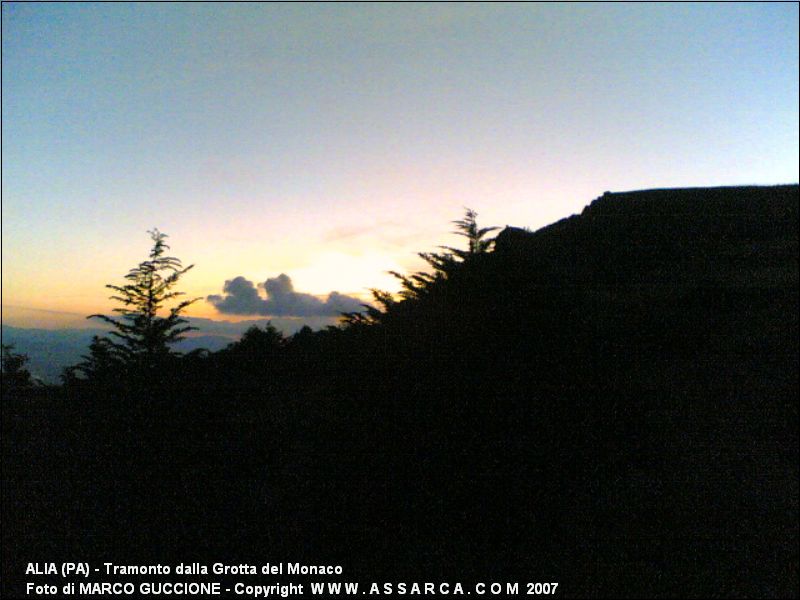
(331, 142)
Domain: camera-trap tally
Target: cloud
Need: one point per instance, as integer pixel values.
(241, 297)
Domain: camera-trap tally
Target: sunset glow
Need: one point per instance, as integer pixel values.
(332, 143)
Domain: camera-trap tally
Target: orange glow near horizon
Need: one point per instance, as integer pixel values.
(333, 142)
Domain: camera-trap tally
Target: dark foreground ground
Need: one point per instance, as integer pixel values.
(612, 407)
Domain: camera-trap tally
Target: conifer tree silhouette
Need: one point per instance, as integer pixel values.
(141, 338)
(468, 228)
(14, 373)
(102, 366)
(421, 283)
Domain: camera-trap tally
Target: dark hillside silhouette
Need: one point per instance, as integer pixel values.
(609, 402)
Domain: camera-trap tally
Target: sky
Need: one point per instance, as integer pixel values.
(295, 150)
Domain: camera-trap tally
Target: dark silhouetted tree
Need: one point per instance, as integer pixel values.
(420, 284)
(14, 373)
(102, 366)
(254, 360)
(260, 343)
(476, 236)
(141, 340)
